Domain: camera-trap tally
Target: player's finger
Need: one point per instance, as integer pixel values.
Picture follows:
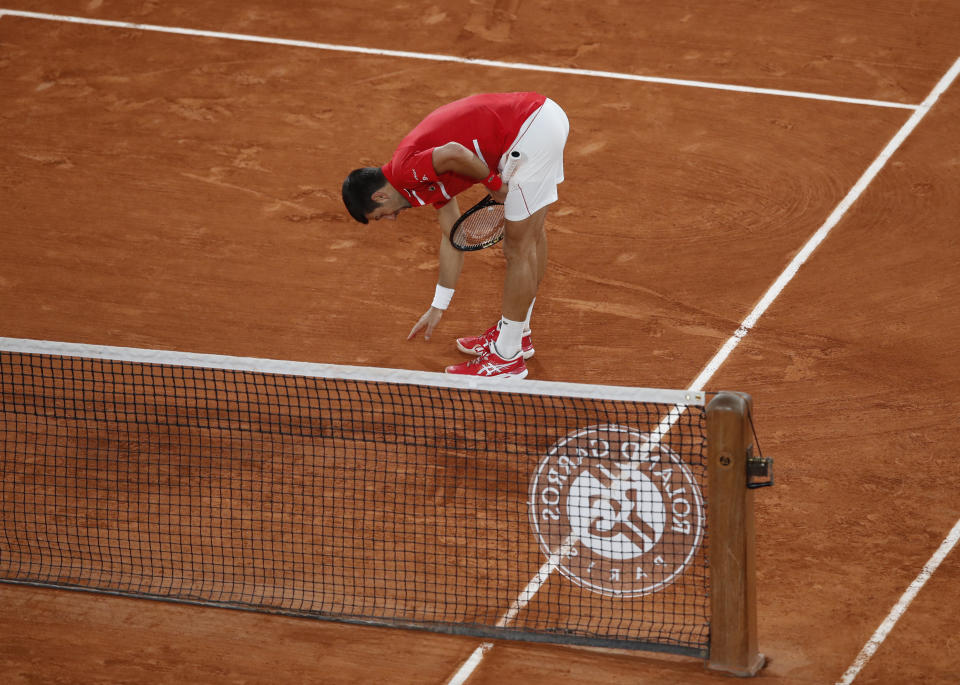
(416, 327)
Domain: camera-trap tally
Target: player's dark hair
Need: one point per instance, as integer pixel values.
(358, 190)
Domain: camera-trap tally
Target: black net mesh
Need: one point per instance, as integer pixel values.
(489, 513)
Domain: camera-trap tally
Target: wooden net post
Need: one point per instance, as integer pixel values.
(733, 628)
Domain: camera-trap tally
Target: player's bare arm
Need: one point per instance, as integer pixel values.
(451, 263)
(451, 259)
(455, 158)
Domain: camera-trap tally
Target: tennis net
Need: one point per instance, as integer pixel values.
(530, 510)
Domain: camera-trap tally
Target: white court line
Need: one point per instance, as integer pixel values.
(453, 58)
(898, 610)
(464, 672)
(831, 221)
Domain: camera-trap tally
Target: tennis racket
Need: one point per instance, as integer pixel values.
(482, 225)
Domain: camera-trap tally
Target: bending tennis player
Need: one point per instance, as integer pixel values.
(466, 142)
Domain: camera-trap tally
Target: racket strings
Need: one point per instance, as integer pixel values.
(481, 227)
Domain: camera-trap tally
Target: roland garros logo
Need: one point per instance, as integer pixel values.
(619, 511)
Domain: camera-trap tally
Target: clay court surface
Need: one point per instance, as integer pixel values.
(181, 192)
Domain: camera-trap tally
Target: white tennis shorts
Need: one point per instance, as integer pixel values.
(540, 142)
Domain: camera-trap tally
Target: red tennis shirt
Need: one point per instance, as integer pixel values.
(485, 124)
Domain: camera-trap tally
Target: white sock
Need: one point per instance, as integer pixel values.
(526, 322)
(507, 344)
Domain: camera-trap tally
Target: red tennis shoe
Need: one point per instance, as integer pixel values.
(478, 344)
(491, 364)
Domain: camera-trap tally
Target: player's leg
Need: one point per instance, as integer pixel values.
(480, 344)
(533, 188)
(524, 246)
(541, 271)
(504, 356)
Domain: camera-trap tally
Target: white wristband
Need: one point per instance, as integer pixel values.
(442, 297)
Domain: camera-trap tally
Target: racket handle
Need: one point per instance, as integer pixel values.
(513, 159)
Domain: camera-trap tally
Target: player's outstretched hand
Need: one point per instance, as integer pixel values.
(426, 323)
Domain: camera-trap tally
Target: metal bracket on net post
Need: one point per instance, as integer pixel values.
(759, 470)
(733, 604)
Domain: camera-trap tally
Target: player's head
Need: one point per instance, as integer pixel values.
(366, 195)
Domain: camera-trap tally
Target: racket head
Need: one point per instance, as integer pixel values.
(479, 227)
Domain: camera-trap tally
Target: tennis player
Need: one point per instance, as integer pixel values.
(456, 146)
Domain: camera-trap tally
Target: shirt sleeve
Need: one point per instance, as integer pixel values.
(412, 173)
(422, 165)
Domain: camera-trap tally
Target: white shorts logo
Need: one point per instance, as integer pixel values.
(623, 513)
